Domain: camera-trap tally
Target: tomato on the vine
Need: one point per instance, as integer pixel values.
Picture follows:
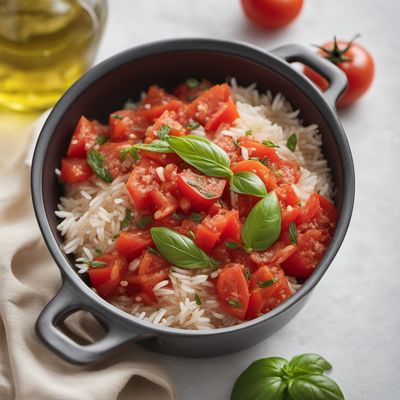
(354, 60)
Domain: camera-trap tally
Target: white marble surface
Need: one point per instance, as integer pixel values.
(353, 316)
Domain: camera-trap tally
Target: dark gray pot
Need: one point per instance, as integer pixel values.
(104, 89)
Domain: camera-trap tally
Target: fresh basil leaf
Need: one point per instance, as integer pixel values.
(292, 142)
(262, 380)
(127, 219)
(249, 132)
(318, 387)
(96, 161)
(94, 264)
(202, 154)
(263, 224)
(192, 82)
(156, 146)
(192, 125)
(180, 250)
(196, 217)
(163, 132)
(264, 284)
(309, 363)
(144, 222)
(268, 143)
(293, 233)
(101, 139)
(248, 183)
(117, 116)
(231, 245)
(197, 299)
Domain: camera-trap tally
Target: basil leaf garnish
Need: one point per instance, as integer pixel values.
(145, 221)
(96, 161)
(197, 299)
(247, 183)
(196, 217)
(309, 363)
(180, 250)
(131, 150)
(269, 282)
(101, 139)
(292, 142)
(263, 379)
(163, 132)
(268, 143)
(318, 387)
(192, 125)
(293, 233)
(127, 219)
(263, 225)
(156, 146)
(202, 154)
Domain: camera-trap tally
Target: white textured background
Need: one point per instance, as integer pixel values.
(353, 317)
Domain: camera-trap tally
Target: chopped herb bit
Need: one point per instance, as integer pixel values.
(197, 299)
(163, 132)
(292, 142)
(178, 216)
(117, 116)
(196, 217)
(101, 139)
(97, 251)
(192, 82)
(144, 222)
(153, 251)
(191, 234)
(115, 237)
(131, 150)
(234, 303)
(268, 143)
(208, 195)
(127, 219)
(236, 143)
(247, 273)
(249, 132)
(264, 161)
(231, 245)
(192, 125)
(276, 171)
(96, 161)
(269, 282)
(293, 233)
(94, 264)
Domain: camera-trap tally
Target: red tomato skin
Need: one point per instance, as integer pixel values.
(151, 263)
(75, 170)
(131, 123)
(232, 285)
(169, 118)
(272, 14)
(132, 243)
(359, 72)
(112, 161)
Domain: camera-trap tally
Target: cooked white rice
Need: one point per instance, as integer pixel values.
(91, 213)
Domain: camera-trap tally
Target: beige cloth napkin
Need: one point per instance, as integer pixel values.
(29, 279)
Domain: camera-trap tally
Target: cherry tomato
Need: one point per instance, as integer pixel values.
(354, 60)
(272, 14)
(74, 170)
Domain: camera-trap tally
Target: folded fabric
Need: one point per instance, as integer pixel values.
(29, 279)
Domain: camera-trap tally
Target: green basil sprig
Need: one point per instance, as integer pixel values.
(180, 250)
(96, 161)
(248, 183)
(292, 142)
(275, 378)
(263, 224)
(156, 146)
(202, 154)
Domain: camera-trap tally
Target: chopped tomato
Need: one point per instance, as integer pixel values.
(126, 124)
(276, 254)
(232, 290)
(167, 118)
(311, 210)
(132, 243)
(228, 145)
(162, 204)
(189, 93)
(161, 158)
(151, 263)
(112, 157)
(156, 111)
(213, 107)
(259, 150)
(224, 225)
(84, 137)
(329, 208)
(287, 196)
(156, 96)
(74, 170)
(107, 279)
(202, 191)
(264, 173)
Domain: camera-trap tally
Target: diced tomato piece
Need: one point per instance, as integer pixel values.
(202, 191)
(288, 215)
(189, 93)
(168, 118)
(209, 105)
(162, 204)
(112, 160)
(259, 150)
(132, 243)
(232, 290)
(246, 203)
(124, 123)
(84, 137)
(310, 252)
(263, 172)
(287, 196)
(255, 305)
(224, 225)
(154, 112)
(276, 254)
(156, 96)
(141, 182)
(107, 279)
(151, 263)
(329, 208)
(75, 170)
(161, 158)
(228, 145)
(311, 210)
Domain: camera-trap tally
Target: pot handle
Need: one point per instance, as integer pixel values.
(336, 78)
(67, 301)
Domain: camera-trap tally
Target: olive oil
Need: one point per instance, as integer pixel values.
(45, 46)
